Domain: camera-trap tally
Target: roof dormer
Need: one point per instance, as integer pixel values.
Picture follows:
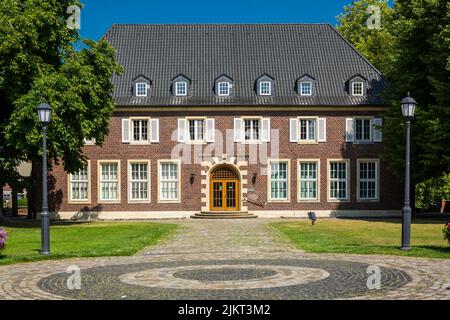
(265, 85)
(306, 86)
(223, 86)
(180, 86)
(141, 86)
(356, 86)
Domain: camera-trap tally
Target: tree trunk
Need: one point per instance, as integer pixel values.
(2, 213)
(14, 201)
(34, 197)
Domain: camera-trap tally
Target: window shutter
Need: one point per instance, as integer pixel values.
(154, 133)
(377, 133)
(322, 128)
(293, 130)
(210, 130)
(237, 129)
(349, 130)
(265, 137)
(181, 130)
(125, 130)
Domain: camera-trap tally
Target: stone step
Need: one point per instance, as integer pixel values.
(223, 215)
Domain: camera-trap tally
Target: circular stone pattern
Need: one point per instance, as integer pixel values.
(226, 280)
(225, 274)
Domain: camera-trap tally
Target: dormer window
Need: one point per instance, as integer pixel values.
(357, 88)
(223, 89)
(141, 89)
(306, 88)
(181, 88)
(265, 88)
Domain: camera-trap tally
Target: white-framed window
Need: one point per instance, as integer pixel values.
(223, 89)
(196, 130)
(181, 88)
(139, 129)
(338, 179)
(109, 180)
(139, 181)
(265, 88)
(141, 89)
(308, 129)
(252, 129)
(363, 130)
(79, 185)
(357, 88)
(306, 88)
(169, 181)
(368, 175)
(308, 180)
(278, 180)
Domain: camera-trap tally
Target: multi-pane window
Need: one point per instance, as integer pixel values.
(306, 88)
(169, 181)
(139, 181)
(109, 181)
(338, 176)
(251, 129)
(279, 180)
(79, 184)
(308, 128)
(363, 130)
(224, 88)
(140, 130)
(196, 130)
(265, 88)
(357, 88)
(141, 89)
(368, 180)
(181, 88)
(308, 180)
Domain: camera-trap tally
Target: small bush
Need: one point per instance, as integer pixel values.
(446, 232)
(3, 238)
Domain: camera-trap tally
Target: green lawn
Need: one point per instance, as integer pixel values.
(366, 237)
(91, 239)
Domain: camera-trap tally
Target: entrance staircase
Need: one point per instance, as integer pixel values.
(223, 215)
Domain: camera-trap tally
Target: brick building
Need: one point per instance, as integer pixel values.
(267, 119)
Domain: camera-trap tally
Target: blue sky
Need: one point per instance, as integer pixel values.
(98, 15)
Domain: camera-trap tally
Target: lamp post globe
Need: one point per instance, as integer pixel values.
(408, 106)
(44, 114)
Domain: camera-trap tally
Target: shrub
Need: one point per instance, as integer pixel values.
(3, 238)
(446, 232)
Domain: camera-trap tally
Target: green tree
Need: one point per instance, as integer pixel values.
(38, 63)
(376, 44)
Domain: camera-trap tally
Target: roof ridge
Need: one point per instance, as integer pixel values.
(222, 24)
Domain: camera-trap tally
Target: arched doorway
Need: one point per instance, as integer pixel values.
(224, 189)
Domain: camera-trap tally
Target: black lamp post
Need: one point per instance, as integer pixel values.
(408, 109)
(44, 113)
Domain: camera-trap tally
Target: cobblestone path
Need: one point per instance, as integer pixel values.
(228, 259)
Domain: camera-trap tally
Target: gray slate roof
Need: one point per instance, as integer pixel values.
(243, 52)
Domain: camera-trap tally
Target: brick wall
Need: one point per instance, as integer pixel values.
(335, 147)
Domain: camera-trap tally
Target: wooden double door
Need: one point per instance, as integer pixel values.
(224, 190)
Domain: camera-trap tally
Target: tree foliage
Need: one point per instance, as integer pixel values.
(38, 63)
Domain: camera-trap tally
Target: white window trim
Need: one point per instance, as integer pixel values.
(252, 141)
(362, 89)
(132, 141)
(146, 89)
(188, 133)
(149, 181)
(299, 198)
(260, 88)
(99, 187)
(228, 88)
(89, 142)
(178, 162)
(269, 193)
(301, 88)
(299, 140)
(355, 140)
(176, 89)
(377, 181)
(69, 187)
(329, 199)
